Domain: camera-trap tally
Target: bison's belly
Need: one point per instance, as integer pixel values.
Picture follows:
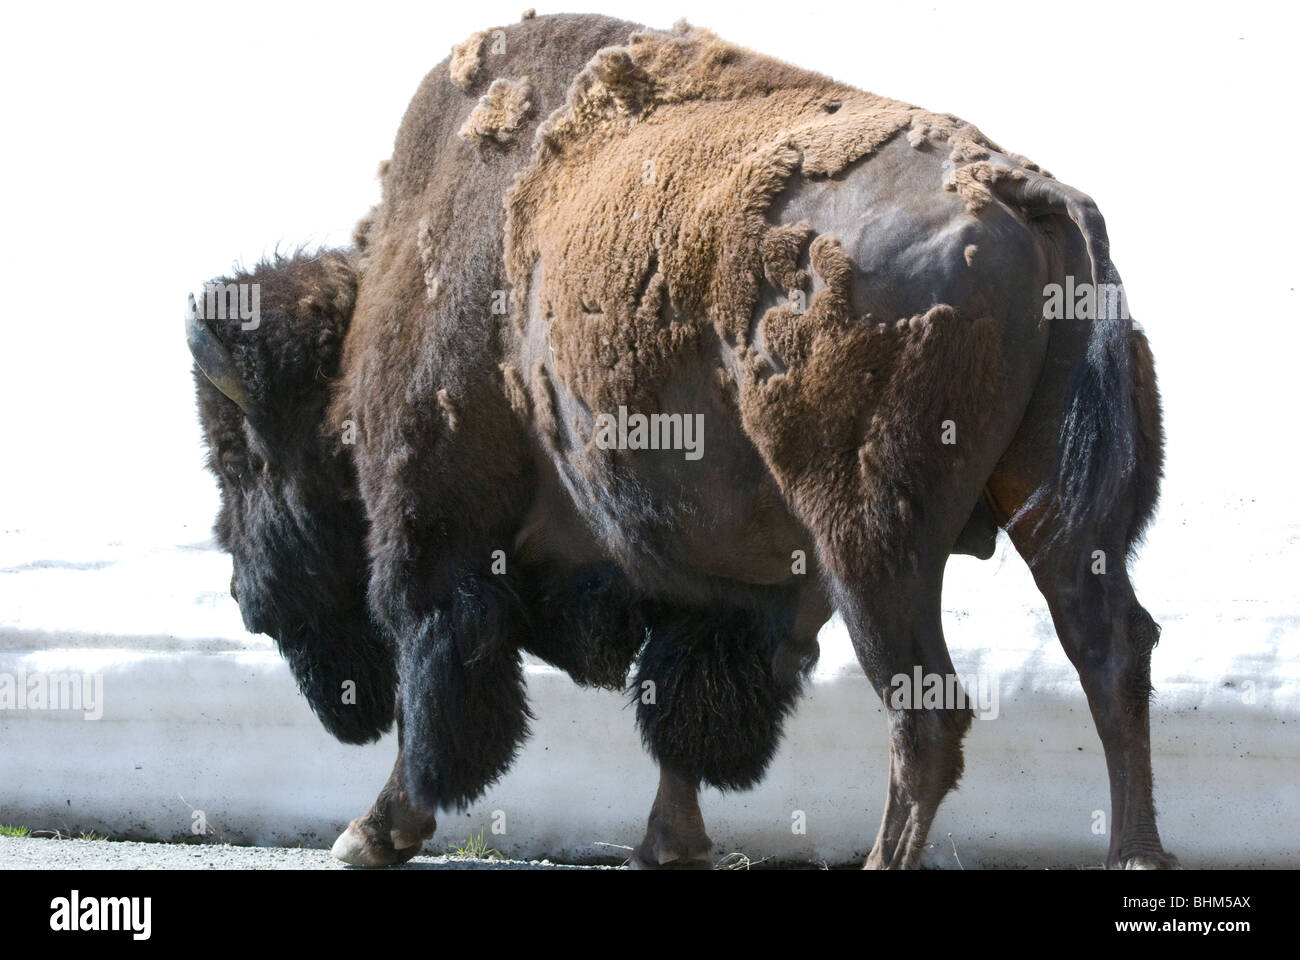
(669, 487)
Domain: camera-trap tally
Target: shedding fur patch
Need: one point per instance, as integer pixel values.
(361, 232)
(856, 412)
(424, 246)
(500, 112)
(781, 249)
(516, 391)
(973, 181)
(544, 406)
(466, 58)
(694, 137)
(448, 410)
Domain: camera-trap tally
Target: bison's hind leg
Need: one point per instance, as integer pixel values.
(896, 629)
(1108, 636)
(1080, 565)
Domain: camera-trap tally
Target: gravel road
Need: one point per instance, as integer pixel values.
(29, 853)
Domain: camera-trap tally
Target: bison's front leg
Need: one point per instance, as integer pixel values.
(713, 687)
(391, 832)
(674, 835)
(463, 714)
(463, 701)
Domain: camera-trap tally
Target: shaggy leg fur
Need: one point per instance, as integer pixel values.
(588, 621)
(463, 705)
(711, 694)
(895, 627)
(391, 832)
(674, 834)
(462, 689)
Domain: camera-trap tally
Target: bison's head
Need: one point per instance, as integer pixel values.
(266, 346)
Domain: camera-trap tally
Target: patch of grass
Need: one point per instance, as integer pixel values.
(476, 848)
(14, 831)
(626, 861)
(85, 835)
(738, 861)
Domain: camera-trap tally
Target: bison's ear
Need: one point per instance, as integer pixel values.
(275, 335)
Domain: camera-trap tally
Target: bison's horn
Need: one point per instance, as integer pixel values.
(215, 361)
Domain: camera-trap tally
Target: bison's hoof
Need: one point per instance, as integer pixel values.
(657, 853)
(640, 862)
(1152, 861)
(360, 845)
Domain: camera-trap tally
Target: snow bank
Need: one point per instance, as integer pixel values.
(202, 727)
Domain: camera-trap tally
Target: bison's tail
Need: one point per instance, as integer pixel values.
(1099, 444)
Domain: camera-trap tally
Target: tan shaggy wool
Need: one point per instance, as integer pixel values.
(693, 137)
(466, 58)
(500, 112)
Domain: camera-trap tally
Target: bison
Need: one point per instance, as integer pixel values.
(655, 352)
